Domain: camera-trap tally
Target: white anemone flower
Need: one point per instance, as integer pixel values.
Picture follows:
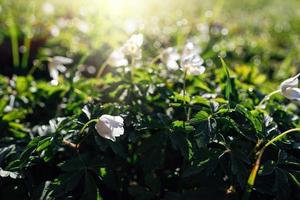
(169, 56)
(190, 48)
(110, 127)
(289, 88)
(191, 62)
(56, 65)
(117, 58)
(132, 46)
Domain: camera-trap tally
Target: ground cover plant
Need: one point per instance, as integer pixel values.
(149, 100)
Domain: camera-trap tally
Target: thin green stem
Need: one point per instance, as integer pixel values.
(184, 95)
(154, 60)
(32, 70)
(189, 112)
(253, 174)
(83, 59)
(266, 98)
(25, 57)
(76, 146)
(101, 69)
(87, 124)
(14, 41)
(282, 135)
(132, 69)
(36, 65)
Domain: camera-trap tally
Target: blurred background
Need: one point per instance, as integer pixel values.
(260, 33)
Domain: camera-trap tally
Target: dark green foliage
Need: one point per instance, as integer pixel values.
(201, 144)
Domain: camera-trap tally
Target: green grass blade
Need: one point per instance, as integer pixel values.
(13, 33)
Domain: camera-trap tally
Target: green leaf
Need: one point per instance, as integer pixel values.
(117, 149)
(14, 115)
(179, 97)
(74, 164)
(66, 183)
(44, 143)
(194, 170)
(230, 90)
(179, 141)
(257, 123)
(281, 185)
(199, 117)
(141, 193)
(181, 125)
(200, 100)
(3, 103)
(22, 84)
(90, 188)
(225, 68)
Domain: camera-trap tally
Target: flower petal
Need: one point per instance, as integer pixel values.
(192, 60)
(110, 127)
(172, 65)
(117, 59)
(292, 93)
(196, 70)
(291, 82)
(104, 130)
(62, 60)
(190, 48)
(137, 39)
(53, 71)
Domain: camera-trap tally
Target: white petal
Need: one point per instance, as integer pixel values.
(121, 62)
(137, 39)
(172, 65)
(192, 60)
(110, 127)
(117, 59)
(118, 131)
(291, 82)
(196, 60)
(174, 56)
(169, 56)
(190, 48)
(61, 68)
(292, 93)
(53, 71)
(61, 60)
(196, 70)
(104, 130)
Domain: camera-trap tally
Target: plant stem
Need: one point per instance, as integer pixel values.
(87, 124)
(83, 59)
(184, 95)
(35, 65)
(253, 174)
(70, 144)
(14, 40)
(32, 70)
(76, 146)
(268, 97)
(25, 57)
(132, 69)
(101, 69)
(154, 60)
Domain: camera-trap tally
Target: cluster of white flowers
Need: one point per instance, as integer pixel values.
(131, 48)
(190, 60)
(109, 126)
